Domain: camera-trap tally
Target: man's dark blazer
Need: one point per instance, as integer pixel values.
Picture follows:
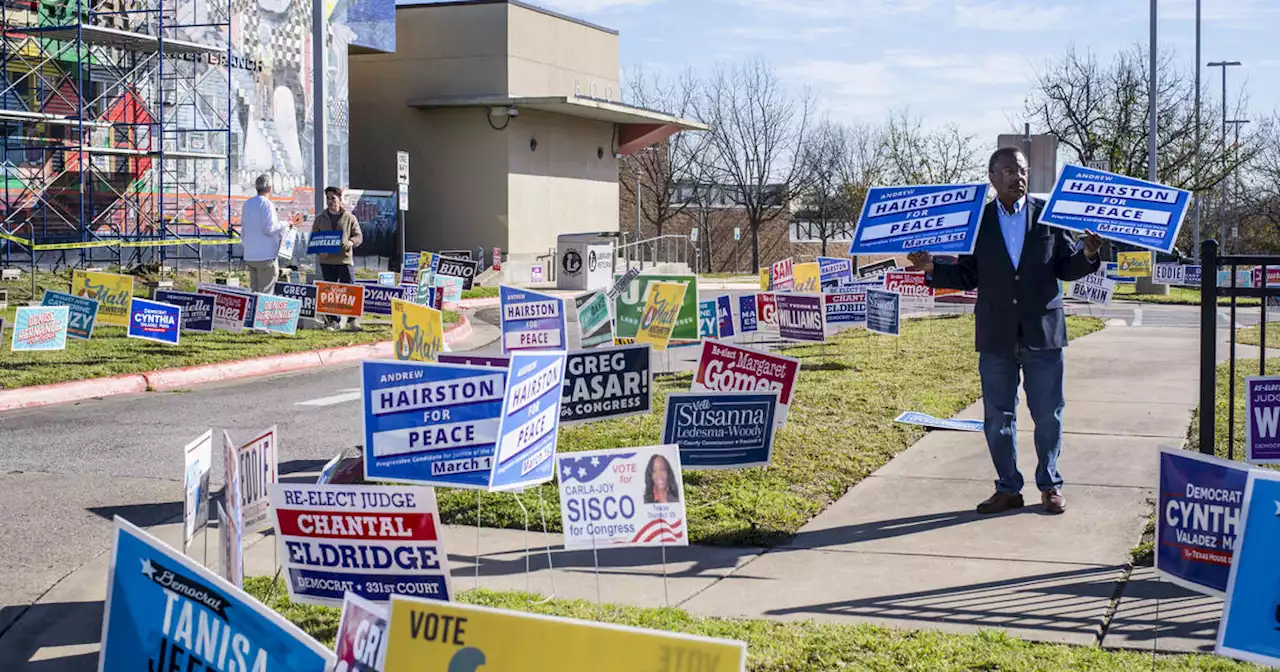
(1023, 306)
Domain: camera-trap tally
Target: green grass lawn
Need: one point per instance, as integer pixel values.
(840, 429)
(775, 646)
(1183, 296)
(478, 292)
(1253, 335)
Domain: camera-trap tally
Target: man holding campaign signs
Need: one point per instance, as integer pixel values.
(336, 266)
(1017, 266)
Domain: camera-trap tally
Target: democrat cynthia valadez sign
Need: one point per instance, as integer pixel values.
(370, 540)
(607, 383)
(1198, 518)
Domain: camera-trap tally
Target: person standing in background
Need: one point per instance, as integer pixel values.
(338, 267)
(261, 233)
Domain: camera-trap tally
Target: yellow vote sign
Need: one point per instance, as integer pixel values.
(417, 331)
(808, 277)
(432, 635)
(1133, 264)
(661, 309)
(112, 291)
(764, 279)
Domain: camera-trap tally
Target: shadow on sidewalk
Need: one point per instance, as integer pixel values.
(706, 560)
(893, 527)
(1179, 613)
(42, 627)
(1063, 602)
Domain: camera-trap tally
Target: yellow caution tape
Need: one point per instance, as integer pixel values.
(124, 243)
(16, 239)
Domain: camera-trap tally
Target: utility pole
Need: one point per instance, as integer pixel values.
(1222, 225)
(1235, 174)
(1151, 102)
(1196, 194)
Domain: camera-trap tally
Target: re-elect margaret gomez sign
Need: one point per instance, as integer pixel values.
(728, 368)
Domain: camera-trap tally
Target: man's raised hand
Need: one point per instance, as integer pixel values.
(921, 261)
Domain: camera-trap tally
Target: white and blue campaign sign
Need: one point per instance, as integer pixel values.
(409, 268)
(40, 328)
(606, 383)
(166, 612)
(847, 304)
(835, 271)
(940, 218)
(926, 420)
(531, 320)
(371, 540)
(530, 420)
(435, 424)
(884, 312)
(1197, 519)
(307, 294)
(707, 323)
(154, 321)
(82, 312)
(277, 313)
(1117, 207)
(748, 319)
(721, 430)
(724, 316)
(325, 242)
(197, 309)
(328, 470)
(1111, 270)
(1191, 275)
(622, 497)
(1250, 625)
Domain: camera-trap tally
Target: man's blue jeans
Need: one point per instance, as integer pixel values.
(1045, 399)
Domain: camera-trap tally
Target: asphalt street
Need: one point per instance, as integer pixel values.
(66, 470)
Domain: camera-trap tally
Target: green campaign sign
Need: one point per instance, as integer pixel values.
(630, 304)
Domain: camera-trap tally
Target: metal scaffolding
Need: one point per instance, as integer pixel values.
(113, 113)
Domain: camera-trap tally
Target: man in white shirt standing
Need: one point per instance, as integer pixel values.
(261, 233)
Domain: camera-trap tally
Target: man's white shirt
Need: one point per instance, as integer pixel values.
(261, 232)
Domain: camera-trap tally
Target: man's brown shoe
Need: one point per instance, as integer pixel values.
(1000, 502)
(1053, 501)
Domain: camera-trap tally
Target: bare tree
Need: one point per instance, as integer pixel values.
(677, 161)
(822, 205)
(758, 133)
(1099, 111)
(913, 155)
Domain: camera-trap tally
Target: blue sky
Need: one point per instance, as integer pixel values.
(967, 62)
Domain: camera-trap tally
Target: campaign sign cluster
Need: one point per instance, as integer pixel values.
(1197, 519)
(606, 383)
(434, 424)
(1121, 208)
(721, 430)
(728, 368)
(942, 218)
(166, 612)
(622, 497)
(370, 540)
(197, 309)
(530, 420)
(531, 320)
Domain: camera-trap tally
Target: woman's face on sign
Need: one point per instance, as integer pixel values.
(660, 475)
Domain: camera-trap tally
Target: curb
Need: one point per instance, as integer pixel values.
(486, 302)
(170, 379)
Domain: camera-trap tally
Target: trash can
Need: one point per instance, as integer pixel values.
(584, 261)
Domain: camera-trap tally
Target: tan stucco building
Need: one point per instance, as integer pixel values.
(511, 118)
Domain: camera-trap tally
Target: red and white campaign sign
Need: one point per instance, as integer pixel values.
(361, 644)
(229, 310)
(729, 368)
(916, 295)
(766, 312)
(784, 279)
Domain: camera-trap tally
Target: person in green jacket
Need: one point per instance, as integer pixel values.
(338, 267)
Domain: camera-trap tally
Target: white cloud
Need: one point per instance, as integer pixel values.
(1016, 17)
(1237, 13)
(775, 33)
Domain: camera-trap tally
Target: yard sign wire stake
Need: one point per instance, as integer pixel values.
(527, 550)
(666, 595)
(551, 568)
(1155, 636)
(595, 560)
(478, 500)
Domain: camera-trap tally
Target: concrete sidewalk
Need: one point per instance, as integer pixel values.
(905, 548)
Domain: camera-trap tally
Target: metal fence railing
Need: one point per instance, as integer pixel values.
(1210, 291)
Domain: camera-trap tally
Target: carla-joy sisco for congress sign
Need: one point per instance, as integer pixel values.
(606, 383)
(941, 218)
